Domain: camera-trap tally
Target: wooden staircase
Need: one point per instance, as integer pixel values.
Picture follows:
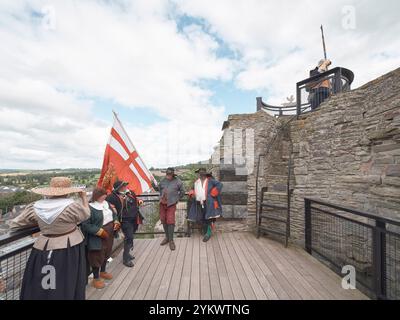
(273, 211)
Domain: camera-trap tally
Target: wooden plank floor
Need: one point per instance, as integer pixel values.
(229, 266)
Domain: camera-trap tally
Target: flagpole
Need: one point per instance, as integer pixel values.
(126, 134)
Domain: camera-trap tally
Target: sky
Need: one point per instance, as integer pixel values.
(172, 70)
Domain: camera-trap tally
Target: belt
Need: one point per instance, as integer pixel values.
(60, 234)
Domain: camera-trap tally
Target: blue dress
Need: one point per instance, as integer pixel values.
(213, 206)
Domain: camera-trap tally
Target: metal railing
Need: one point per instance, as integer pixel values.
(276, 110)
(309, 95)
(340, 236)
(14, 252)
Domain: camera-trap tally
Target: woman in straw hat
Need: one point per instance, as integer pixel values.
(56, 268)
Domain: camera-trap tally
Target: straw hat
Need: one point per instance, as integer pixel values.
(59, 186)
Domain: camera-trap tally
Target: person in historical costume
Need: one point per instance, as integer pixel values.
(320, 90)
(171, 191)
(127, 205)
(99, 236)
(56, 268)
(206, 202)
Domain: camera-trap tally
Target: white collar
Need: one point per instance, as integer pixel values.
(99, 205)
(49, 209)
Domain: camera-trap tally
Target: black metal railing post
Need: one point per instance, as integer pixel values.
(298, 100)
(307, 211)
(337, 81)
(379, 259)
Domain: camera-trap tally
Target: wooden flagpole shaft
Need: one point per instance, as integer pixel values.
(323, 41)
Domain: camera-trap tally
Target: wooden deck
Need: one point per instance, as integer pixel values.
(230, 266)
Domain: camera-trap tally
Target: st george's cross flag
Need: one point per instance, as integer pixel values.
(122, 162)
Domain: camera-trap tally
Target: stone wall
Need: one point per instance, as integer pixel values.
(347, 152)
(244, 138)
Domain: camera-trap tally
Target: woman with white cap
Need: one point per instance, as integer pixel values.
(56, 268)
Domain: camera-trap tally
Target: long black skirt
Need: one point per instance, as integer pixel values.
(60, 275)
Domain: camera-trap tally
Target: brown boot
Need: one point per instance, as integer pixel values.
(172, 245)
(98, 283)
(164, 242)
(106, 275)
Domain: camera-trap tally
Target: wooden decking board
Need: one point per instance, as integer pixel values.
(164, 285)
(158, 275)
(258, 273)
(119, 284)
(233, 279)
(195, 273)
(228, 266)
(173, 290)
(276, 269)
(308, 275)
(184, 286)
(307, 291)
(148, 273)
(126, 280)
(226, 288)
(326, 277)
(205, 285)
(214, 273)
(115, 268)
(247, 270)
(135, 277)
(276, 285)
(240, 272)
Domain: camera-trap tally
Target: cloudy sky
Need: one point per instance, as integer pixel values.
(173, 70)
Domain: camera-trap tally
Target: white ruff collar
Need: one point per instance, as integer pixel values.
(49, 209)
(99, 206)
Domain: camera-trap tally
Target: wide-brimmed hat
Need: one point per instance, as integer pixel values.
(59, 186)
(170, 170)
(203, 171)
(119, 184)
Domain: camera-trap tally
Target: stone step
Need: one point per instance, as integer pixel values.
(267, 204)
(273, 193)
(274, 231)
(234, 211)
(231, 175)
(273, 218)
(234, 198)
(234, 187)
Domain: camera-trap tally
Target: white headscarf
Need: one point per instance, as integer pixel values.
(49, 209)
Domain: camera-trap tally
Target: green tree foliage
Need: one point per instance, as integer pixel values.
(17, 198)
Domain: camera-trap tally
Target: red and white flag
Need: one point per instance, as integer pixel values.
(122, 162)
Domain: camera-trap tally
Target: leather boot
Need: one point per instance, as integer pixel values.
(207, 236)
(106, 275)
(98, 283)
(164, 242)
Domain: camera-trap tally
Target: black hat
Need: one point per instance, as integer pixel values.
(203, 171)
(170, 170)
(119, 184)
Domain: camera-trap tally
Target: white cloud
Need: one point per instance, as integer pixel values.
(127, 52)
(59, 57)
(280, 41)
